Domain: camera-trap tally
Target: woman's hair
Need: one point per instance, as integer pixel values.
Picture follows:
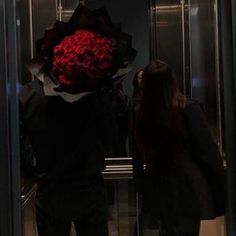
(160, 86)
(159, 119)
(136, 83)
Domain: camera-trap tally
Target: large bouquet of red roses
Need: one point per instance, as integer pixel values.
(82, 60)
(84, 54)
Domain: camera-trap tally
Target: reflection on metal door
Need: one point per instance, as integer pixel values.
(184, 33)
(167, 35)
(205, 76)
(9, 130)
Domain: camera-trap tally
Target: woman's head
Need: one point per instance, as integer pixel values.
(159, 119)
(159, 83)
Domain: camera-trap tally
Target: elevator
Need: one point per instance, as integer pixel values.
(194, 36)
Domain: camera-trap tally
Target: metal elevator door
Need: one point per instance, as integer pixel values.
(184, 33)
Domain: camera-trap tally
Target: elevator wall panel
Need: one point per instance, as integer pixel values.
(166, 34)
(69, 5)
(25, 39)
(9, 132)
(34, 17)
(204, 61)
(184, 33)
(44, 15)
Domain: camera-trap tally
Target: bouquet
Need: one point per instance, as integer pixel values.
(85, 54)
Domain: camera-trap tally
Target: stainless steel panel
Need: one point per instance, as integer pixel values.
(5, 213)
(44, 15)
(204, 61)
(25, 39)
(70, 4)
(28, 192)
(185, 35)
(9, 131)
(182, 3)
(167, 35)
(66, 8)
(229, 85)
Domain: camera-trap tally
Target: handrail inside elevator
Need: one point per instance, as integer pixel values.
(116, 168)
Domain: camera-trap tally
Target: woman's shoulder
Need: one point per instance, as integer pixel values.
(194, 106)
(194, 113)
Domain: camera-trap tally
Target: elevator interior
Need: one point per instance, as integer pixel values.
(195, 56)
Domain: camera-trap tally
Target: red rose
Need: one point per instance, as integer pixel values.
(85, 55)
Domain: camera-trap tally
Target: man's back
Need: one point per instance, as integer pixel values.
(68, 139)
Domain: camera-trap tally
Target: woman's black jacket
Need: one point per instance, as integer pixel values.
(193, 184)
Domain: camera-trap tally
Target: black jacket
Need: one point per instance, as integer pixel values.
(69, 140)
(193, 185)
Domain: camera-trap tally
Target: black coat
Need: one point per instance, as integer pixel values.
(193, 184)
(69, 140)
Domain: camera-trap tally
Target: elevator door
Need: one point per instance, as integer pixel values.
(167, 36)
(185, 34)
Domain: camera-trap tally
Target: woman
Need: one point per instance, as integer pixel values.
(184, 177)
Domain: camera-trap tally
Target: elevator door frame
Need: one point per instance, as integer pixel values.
(10, 223)
(228, 72)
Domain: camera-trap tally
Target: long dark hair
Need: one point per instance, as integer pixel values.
(136, 84)
(159, 126)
